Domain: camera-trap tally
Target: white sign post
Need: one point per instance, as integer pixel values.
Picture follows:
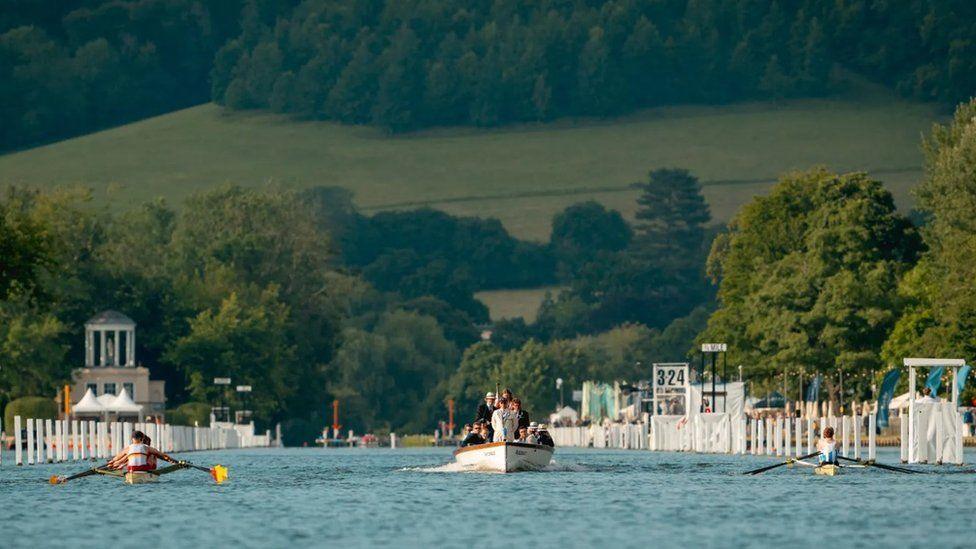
(670, 389)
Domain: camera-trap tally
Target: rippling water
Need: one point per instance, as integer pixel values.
(350, 497)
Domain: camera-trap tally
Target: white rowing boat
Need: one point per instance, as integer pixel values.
(504, 457)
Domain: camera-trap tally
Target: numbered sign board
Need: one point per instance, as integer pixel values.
(670, 389)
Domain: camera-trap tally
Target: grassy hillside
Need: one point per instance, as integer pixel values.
(520, 174)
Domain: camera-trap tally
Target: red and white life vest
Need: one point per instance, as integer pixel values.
(137, 458)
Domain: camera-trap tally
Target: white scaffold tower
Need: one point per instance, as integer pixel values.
(934, 429)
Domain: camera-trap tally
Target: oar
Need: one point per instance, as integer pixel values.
(880, 465)
(787, 462)
(217, 472)
(61, 480)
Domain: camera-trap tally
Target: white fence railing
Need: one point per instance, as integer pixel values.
(51, 441)
(724, 434)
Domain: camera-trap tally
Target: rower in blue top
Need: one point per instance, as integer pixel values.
(828, 447)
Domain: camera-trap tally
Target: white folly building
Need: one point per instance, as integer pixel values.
(111, 367)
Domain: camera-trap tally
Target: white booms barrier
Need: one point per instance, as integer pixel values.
(934, 434)
(60, 440)
(724, 434)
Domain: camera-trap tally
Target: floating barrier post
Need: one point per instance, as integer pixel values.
(809, 434)
(30, 441)
(18, 451)
(844, 433)
(799, 435)
(786, 437)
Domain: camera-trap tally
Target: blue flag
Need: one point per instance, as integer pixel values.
(961, 379)
(813, 389)
(885, 395)
(935, 380)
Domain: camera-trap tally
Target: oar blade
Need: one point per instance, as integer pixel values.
(219, 473)
(55, 479)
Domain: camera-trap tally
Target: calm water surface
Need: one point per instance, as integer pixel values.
(409, 498)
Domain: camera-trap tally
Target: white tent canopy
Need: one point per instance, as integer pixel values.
(564, 415)
(124, 404)
(88, 405)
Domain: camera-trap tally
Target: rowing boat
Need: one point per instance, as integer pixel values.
(827, 469)
(136, 477)
(217, 472)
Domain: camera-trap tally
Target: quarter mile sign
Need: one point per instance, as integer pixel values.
(714, 347)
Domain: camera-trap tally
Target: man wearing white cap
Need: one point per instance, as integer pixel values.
(531, 437)
(543, 436)
(485, 410)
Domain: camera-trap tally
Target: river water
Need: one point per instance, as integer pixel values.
(415, 498)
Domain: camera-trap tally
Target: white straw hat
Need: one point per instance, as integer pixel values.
(489, 394)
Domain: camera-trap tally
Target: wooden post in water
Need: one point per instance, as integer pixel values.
(75, 441)
(39, 441)
(30, 441)
(49, 430)
(809, 434)
(18, 451)
(799, 436)
(872, 426)
(787, 438)
(58, 435)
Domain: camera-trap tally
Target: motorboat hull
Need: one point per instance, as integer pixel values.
(504, 457)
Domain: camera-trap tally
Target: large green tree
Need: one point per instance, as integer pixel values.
(940, 319)
(808, 277)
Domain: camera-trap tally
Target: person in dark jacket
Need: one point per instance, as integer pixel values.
(522, 417)
(485, 409)
(543, 436)
(474, 437)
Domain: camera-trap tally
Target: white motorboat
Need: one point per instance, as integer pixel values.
(504, 457)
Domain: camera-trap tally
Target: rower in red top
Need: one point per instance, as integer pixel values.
(138, 456)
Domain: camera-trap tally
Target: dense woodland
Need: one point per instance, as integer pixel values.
(306, 299)
(76, 66)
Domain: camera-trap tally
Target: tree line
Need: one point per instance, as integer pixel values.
(276, 288)
(301, 296)
(77, 66)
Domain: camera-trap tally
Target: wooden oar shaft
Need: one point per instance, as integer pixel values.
(787, 462)
(880, 465)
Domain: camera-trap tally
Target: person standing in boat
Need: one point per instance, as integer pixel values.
(521, 416)
(485, 410)
(503, 423)
(827, 447)
(138, 456)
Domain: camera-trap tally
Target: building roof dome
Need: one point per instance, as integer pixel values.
(110, 318)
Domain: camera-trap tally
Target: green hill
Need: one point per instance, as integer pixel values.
(522, 174)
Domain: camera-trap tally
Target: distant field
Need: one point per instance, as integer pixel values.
(522, 175)
(521, 303)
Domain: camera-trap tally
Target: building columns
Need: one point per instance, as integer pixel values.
(102, 359)
(118, 345)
